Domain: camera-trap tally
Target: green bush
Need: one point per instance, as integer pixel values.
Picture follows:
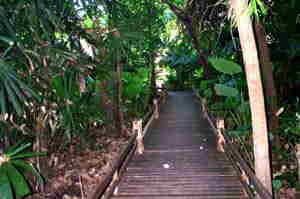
(136, 91)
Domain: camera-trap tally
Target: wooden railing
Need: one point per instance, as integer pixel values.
(135, 145)
(253, 186)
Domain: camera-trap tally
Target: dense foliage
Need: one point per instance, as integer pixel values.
(59, 63)
(69, 67)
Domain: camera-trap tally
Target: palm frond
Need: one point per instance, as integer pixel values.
(13, 90)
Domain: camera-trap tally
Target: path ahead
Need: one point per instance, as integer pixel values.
(180, 159)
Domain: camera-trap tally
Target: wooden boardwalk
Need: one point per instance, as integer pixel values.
(180, 159)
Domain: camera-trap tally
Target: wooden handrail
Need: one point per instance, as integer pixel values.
(101, 188)
(247, 173)
(107, 187)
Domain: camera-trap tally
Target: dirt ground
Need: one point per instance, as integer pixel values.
(75, 172)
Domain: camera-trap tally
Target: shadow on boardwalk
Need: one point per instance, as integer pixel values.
(180, 159)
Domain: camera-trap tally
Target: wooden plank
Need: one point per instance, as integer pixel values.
(180, 159)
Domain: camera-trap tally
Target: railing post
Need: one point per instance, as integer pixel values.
(137, 127)
(244, 176)
(220, 138)
(204, 108)
(298, 159)
(115, 180)
(156, 112)
(165, 94)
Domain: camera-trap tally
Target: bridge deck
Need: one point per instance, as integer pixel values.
(180, 159)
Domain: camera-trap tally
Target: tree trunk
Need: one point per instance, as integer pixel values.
(118, 99)
(204, 62)
(106, 103)
(152, 80)
(179, 85)
(192, 32)
(256, 97)
(118, 113)
(267, 74)
(201, 55)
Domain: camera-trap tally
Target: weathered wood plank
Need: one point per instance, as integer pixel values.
(180, 159)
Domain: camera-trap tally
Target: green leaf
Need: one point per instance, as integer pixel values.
(208, 93)
(88, 22)
(240, 131)
(225, 66)
(5, 188)
(14, 85)
(25, 87)
(277, 184)
(7, 51)
(8, 40)
(297, 187)
(8, 26)
(28, 168)
(244, 107)
(223, 90)
(57, 84)
(12, 148)
(17, 181)
(28, 155)
(17, 150)
(3, 104)
(224, 105)
(295, 131)
(13, 97)
(237, 133)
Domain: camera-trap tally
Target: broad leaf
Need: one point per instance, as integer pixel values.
(13, 97)
(28, 155)
(58, 85)
(13, 91)
(224, 105)
(223, 90)
(277, 184)
(17, 181)
(225, 66)
(5, 188)
(3, 104)
(9, 150)
(28, 168)
(17, 149)
(238, 133)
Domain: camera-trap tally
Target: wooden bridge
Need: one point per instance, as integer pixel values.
(181, 160)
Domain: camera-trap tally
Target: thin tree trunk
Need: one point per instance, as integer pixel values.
(192, 32)
(153, 82)
(201, 55)
(256, 97)
(267, 74)
(118, 99)
(118, 113)
(151, 58)
(204, 62)
(179, 85)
